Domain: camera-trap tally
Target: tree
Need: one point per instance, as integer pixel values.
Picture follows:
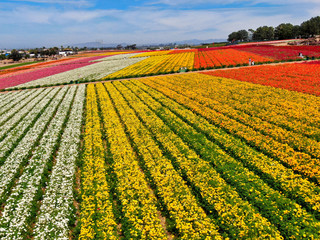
(296, 31)
(53, 51)
(242, 35)
(15, 55)
(310, 27)
(2, 57)
(284, 31)
(232, 37)
(133, 46)
(264, 33)
(119, 47)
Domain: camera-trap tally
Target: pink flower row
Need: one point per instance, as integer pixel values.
(15, 80)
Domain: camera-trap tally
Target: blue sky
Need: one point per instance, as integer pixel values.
(36, 23)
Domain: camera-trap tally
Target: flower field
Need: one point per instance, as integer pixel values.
(156, 65)
(191, 156)
(90, 71)
(30, 74)
(226, 57)
(108, 65)
(282, 52)
(301, 77)
(36, 165)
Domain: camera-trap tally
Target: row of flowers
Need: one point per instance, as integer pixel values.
(147, 65)
(138, 203)
(9, 98)
(20, 207)
(15, 103)
(52, 70)
(294, 185)
(286, 76)
(291, 110)
(93, 70)
(97, 220)
(235, 216)
(292, 220)
(178, 61)
(19, 155)
(158, 64)
(190, 219)
(16, 126)
(56, 211)
(282, 52)
(116, 57)
(226, 57)
(294, 149)
(33, 66)
(152, 54)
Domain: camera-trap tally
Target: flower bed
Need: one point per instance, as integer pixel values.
(12, 81)
(299, 77)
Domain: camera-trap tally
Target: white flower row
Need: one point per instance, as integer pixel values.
(22, 120)
(12, 164)
(12, 99)
(116, 57)
(53, 220)
(90, 72)
(18, 207)
(8, 97)
(15, 105)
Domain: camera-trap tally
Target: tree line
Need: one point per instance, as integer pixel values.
(307, 29)
(17, 55)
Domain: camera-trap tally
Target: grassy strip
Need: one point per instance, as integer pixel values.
(18, 65)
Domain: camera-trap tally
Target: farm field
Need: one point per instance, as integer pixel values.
(223, 155)
(301, 77)
(109, 65)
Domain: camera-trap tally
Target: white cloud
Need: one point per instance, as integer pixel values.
(55, 26)
(63, 2)
(186, 3)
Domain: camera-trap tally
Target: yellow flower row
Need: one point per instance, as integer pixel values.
(177, 61)
(190, 219)
(146, 66)
(138, 201)
(292, 219)
(237, 217)
(295, 111)
(291, 183)
(281, 144)
(156, 65)
(97, 219)
(152, 54)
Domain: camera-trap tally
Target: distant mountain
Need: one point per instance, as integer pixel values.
(113, 45)
(98, 45)
(197, 41)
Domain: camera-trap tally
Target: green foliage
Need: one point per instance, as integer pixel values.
(311, 27)
(15, 55)
(264, 33)
(241, 35)
(307, 29)
(16, 65)
(285, 31)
